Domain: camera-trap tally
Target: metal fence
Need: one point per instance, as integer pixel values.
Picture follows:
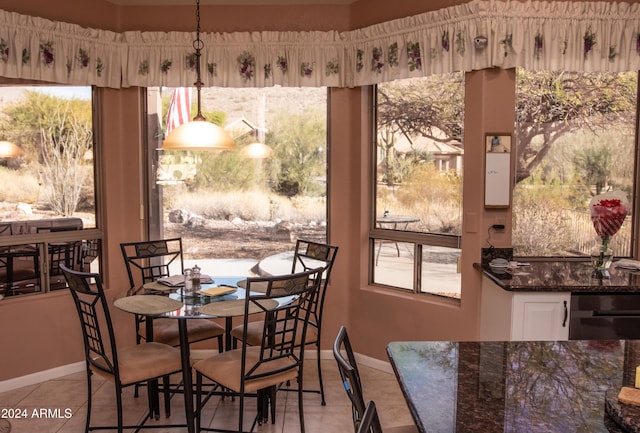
(581, 227)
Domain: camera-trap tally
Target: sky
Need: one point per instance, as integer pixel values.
(64, 91)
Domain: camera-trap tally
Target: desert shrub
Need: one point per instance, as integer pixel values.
(434, 196)
(250, 206)
(18, 185)
(541, 226)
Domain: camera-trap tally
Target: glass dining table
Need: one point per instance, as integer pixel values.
(159, 301)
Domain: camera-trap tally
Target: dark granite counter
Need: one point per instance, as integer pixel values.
(563, 276)
(537, 387)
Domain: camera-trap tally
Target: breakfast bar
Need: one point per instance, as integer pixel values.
(536, 387)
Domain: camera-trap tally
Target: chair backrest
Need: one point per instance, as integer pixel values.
(349, 374)
(153, 259)
(370, 421)
(310, 255)
(91, 305)
(281, 299)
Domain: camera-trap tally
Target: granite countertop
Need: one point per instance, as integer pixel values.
(537, 387)
(563, 276)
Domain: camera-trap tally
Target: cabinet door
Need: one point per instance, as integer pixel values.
(540, 316)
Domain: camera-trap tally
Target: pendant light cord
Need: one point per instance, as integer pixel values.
(198, 45)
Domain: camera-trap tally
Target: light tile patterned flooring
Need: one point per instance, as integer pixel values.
(69, 392)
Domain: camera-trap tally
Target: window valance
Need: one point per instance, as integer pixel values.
(537, 35)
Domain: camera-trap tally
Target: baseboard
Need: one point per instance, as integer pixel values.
(54, 373)
(41, 376)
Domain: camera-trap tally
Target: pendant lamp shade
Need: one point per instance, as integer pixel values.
(198, 135)
(10, 150)
(256, 151)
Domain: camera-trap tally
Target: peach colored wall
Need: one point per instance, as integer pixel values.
(236, 18)
(368, 12)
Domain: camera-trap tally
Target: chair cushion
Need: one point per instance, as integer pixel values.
(145, 361)
(224, 369)
(254, 333)
(166, 331)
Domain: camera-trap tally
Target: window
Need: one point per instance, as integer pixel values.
(575, 138)
(47, 202)
(229, 205)
(416, 226)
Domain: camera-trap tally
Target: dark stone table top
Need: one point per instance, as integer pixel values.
(563, 276)
(537, 387)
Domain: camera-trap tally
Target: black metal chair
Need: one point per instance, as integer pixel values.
(350, 376)
(260, 369)
(154, 260)
(370, 422)
(307, 255)
(123, 367)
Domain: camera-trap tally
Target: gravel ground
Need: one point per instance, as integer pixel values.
(241, 239)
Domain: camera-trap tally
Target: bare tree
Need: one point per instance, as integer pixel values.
(552, 104)
(65, 142)
(548, 106)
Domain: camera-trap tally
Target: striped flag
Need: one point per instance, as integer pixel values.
(179, 108)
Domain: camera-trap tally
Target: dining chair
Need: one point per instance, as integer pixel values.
(153, 260)
(124, 367)
(348, 369)
(258, 370)
(307, 255)
(370, 421)
(65, 252)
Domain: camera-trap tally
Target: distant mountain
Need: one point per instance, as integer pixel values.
(246, 102)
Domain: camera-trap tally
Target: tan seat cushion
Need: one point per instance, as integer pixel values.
(224, 369)
(166, 330)
(145, 361)
(254, 333)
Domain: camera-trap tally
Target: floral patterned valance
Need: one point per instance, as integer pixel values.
(537, 35)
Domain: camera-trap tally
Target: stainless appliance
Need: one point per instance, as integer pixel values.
(601, 316)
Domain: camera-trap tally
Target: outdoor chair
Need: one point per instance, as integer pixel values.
(307, 255)
(348, 368)
(123, 367)
(258, 370)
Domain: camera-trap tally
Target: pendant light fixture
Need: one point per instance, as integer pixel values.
(199, 134)
(10, 150)
(256, 151)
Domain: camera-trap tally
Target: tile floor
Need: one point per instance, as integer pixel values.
(68, 396)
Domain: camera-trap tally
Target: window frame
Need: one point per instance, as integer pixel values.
(634, 247)
(42, 240)
(377, 234)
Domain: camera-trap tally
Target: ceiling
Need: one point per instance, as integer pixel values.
(229, 2)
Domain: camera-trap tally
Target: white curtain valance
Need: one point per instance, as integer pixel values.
(537, 35)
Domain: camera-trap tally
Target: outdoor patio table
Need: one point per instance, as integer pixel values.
(393, 222)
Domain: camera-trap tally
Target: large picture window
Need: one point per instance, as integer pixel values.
(575, 138)
(239, 204)
(418, 168)
(47, 172)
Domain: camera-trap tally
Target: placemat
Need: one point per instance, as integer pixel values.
(147, 304)
(178, 280)
(235, 307)
(158, 287)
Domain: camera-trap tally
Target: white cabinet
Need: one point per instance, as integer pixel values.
(523, 316)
